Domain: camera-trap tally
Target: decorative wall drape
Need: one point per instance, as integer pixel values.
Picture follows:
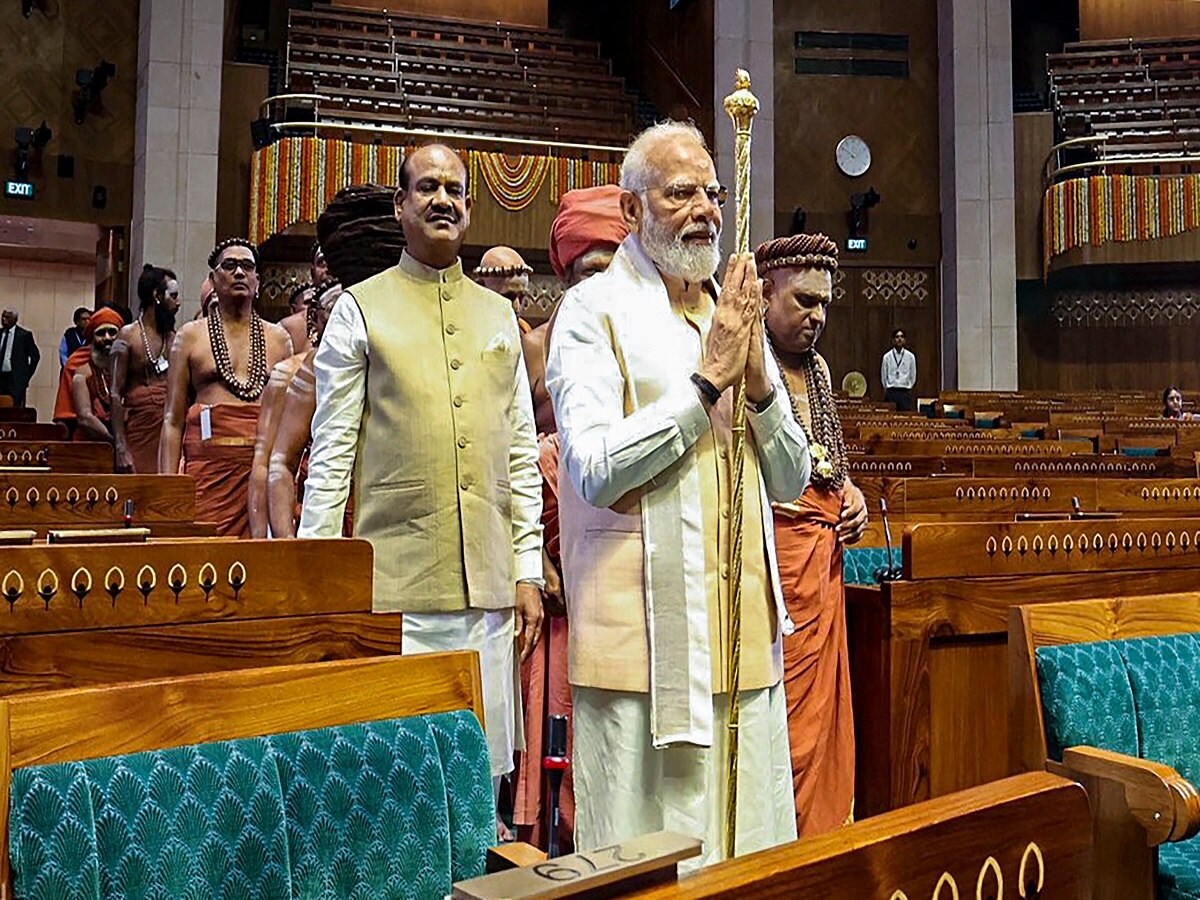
(1105, 208)
(292, 180)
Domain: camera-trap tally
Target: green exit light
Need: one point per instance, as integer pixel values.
(22, 190)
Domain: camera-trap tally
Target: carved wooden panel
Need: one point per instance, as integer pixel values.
(1011, 449)
(33, 431)
(60, 456)
(94, 500)
(1075, 467)
(908, 465)
(957, 549)
(57, 587)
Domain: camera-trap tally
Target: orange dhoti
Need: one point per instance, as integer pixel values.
(220, 463)
(816, 665)
(545, 692)
(143, 424)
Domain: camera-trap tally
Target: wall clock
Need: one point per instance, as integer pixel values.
(853, 156)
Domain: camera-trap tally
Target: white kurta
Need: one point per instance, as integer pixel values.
(490, 633)
(682, 788)
(629, 419)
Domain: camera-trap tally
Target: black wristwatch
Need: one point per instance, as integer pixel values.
(707, 389)
(764, 404)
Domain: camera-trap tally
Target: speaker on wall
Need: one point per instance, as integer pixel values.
(66, 167)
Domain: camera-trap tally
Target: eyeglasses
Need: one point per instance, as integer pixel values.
(680, 195)
(248, 266)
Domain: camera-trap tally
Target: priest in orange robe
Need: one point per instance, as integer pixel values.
(809, 535)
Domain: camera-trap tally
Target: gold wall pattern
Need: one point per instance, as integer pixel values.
(896, 287)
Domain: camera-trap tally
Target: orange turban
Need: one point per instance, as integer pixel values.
(586, 218)
(104, 316)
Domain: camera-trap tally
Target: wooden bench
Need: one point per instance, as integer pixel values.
(58, 456)
(75, 616)
(1139, 806)
(928, 653)
(413, 748)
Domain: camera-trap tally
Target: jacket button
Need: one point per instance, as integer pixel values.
(724, 570)
(455, 363)
(458, 401)
(462, 442)
(464, 484)
(450, 329)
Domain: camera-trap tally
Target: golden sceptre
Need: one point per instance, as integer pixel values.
(741, 106)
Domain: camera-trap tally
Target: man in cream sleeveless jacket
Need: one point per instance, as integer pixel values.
(422, 394)
(642, 367)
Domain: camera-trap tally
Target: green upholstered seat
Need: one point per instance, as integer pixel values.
(860, 563)
(1138, 697)
(396, 808)
(1142, 451)
(1086, 698)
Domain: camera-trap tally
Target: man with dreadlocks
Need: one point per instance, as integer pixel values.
(139, 389)
(222, 360)
(809, 534)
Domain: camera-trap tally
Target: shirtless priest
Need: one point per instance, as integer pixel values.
(809, 534)
(223, 359)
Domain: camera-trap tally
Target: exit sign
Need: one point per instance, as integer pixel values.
(857, 245)
(20, 189)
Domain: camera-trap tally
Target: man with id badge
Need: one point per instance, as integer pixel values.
(139, 380)
(221, 363)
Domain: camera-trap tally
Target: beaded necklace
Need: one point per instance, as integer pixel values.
(825, 440)
(154, 364)
(256, 376)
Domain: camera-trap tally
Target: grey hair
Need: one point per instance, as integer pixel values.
(12, 312)
(635, 168)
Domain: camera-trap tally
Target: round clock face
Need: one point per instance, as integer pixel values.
(853, 155)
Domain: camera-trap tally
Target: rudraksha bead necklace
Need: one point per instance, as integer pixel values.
(256, 376)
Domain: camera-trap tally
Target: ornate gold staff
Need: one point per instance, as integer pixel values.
(741, 106)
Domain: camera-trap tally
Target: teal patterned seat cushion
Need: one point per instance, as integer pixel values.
(1138, 697)
(859, 563)
(1086, 698)
(395, 808)
(1179, 870)
(1164, 673)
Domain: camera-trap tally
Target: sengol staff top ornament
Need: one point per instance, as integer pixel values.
(741, 106)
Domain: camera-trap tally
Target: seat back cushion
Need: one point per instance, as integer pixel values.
(366, 810)
(1086, 698)
(1164, 673)
(394, 808)
(859, 563)
(204, 820)
(465, 761)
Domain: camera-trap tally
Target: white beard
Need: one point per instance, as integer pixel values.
(675, 257)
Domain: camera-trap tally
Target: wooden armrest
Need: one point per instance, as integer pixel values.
(513, 855)
(1162, 801)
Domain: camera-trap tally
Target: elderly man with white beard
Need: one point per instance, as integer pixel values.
(643, 364)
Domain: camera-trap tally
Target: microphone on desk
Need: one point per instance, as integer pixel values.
(555, 764)
(887, 572)
(127, 517)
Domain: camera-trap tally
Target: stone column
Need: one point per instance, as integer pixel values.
(979, 260)
(178, 123)
(744, 38)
